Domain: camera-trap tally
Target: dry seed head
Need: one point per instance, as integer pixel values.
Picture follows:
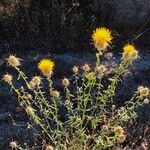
(143, 91)
(146, 101)
(31, 84)
(29, 96)
(65, 82)
(86, 68)
(75, 69)
(36, 80)
(118, 130)
(13, 61)
(7, 78)
(121, 138)
(101, 69)
(13, 145)
(30, 110)
(49, 147)
(55, 94)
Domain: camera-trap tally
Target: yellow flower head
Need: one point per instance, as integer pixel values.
(129, 52)
(102, 38)
(46, 66)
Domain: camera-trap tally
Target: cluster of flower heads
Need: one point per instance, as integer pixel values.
(102, 38)
(144, 93)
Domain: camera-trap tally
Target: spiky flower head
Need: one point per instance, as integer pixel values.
(118, 130)
(13, 61)
(143, 91)
(129, 52)
(121, 138)
(46, 66)
(75, 69)
(13, 145)
(65, 82)
(86, 68)
(49, 147)
(102, 38)
(120, 134)
(55, 94)
(100, 69)
(31, 84)
(7, 78)
(36, 81)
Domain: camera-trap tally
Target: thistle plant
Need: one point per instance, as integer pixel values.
(91, 120)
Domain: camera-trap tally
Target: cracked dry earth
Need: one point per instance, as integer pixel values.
(13, 121)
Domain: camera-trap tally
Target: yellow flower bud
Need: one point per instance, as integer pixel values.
(129, 52)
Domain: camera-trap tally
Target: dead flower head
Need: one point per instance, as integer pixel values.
(13, 145)
(13, 61)
(86, 68)
(101, 69)
(36, 81)
(143, 91)
(65, 82)
(7, 78)
(55, 94)
(75, 69)
(49, 147)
